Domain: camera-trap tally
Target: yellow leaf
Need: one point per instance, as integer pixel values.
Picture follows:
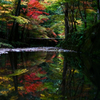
(3, 11)
(5, 78)
(50, 1)
(24, 3)
(11, 88)
(24, 19)
(20, 88)
(79, 22)
(10, 0)
(90, 11)
(6, 5)
(3, 19)
(4, 92)
(42, 95)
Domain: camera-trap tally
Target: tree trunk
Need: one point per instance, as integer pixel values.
(66, 21)
(14, 32)
(85, 21)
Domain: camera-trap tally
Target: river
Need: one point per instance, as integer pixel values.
(48, 73)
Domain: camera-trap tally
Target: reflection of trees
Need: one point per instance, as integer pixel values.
(92, 71)
(63, 78)
(65, 67)
(17, 82)
(8, 84)
(77, 85)
(33, 81)
(69, 82)
(13, 60)
(28, 59)
(73, 85)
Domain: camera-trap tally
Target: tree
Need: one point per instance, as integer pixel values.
(14, 35)
(66, 20)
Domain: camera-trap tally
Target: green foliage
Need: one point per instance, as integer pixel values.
(18, 72)
(56, 17)
(5, 45)
(74, 40)
(20, 19)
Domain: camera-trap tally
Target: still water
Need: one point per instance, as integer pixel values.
(49, 75)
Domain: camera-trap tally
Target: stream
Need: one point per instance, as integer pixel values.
(48, 73)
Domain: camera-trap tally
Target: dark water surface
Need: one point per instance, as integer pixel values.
(53, 75)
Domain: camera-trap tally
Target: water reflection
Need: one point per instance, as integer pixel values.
(48, 76)
(82, 77)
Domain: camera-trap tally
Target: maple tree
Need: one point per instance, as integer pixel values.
(36, 12)
(35, 9)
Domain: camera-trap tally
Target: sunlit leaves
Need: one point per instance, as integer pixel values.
(4, 92)
(20, 19)
(18, 72)
(50, 0)
(90, 11)
(5, 78)
(3, 19)
(9, 0)
(24, 3)
(4, 12)
(79, 22)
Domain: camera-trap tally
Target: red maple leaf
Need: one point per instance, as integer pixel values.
(34, 10)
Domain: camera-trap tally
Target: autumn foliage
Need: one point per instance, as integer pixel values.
(32, 82)
(35, 9)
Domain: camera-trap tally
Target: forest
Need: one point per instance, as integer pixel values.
(71, 24)
(49, 49)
